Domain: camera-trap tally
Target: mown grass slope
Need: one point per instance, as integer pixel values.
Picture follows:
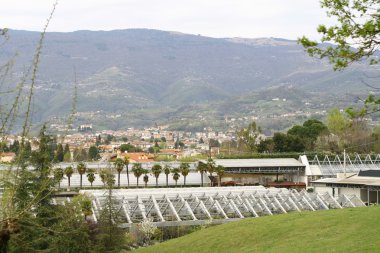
(344, 230)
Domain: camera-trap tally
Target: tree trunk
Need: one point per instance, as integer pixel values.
(167, 180)
(137, 182)
(146, 184)
(202, 179)
(220, 181)
(68, 179)
(59, 185)
(81, 181)
(118, 179)
(156, 181)
(184, 181)
(91, 184)
(127, 176)
(176, 183)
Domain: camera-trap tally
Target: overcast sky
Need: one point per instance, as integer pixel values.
(216, 18)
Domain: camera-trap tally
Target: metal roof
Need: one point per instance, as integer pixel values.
(249, 163)
(353, 180)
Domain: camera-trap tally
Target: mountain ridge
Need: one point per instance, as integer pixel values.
(137, 70)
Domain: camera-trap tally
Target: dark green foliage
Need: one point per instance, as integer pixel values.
(307, 134)
(176, 174)
(137, 171)
(214, 143)
(129, 148)
(184, 168)
(4, 147)
(109, 237)
(156, 171)
(58, 176)
(93, 153)
(59, 153)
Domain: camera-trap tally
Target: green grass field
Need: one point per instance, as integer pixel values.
(344, 230)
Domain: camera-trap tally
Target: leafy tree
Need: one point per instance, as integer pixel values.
(15, 146)
(176, 175)
(214, 143)
(69, 172)
(129, 148)
(307, 134)
(108, 139)
(98, 140)
(287, 143)
(59, 154)
(201, 168)
(146, 177)
(103, 175)
(31, 201)
(93, 153)
(248, 137)
(354, 37)
(167, 171)
(81, 168)
(58, 176)
(67, 148)
(110, 237)
(156, 171)
(91, 176)
(266, 146)
(220, 172)
(83, 155)
(210, 166)
(67, 157)
(71, 235)
(137, 171)
(184, 169)
(337, 123)
(119, 165)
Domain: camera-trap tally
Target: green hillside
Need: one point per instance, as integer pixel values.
(344, 230)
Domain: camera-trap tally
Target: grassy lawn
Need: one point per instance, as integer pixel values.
(344, 230)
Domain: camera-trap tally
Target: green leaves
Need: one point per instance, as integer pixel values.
(356, 36)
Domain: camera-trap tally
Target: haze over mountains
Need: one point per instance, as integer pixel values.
(137, 77)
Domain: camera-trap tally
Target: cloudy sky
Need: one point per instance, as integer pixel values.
(216, 18)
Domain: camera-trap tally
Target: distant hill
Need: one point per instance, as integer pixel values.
(148, 76)
(344, 230)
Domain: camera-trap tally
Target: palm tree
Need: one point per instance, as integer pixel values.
(119, 165)
(102, 175)
(137, 171)
(81, 168)
(58, 176)
(202, 168)
(69, 172)
(210, 168)
(167, 171)
(156, 170)
(146, 177)
(185, 169)
(126, 163)
(220, 172)
(176, 175)
(91, 176)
